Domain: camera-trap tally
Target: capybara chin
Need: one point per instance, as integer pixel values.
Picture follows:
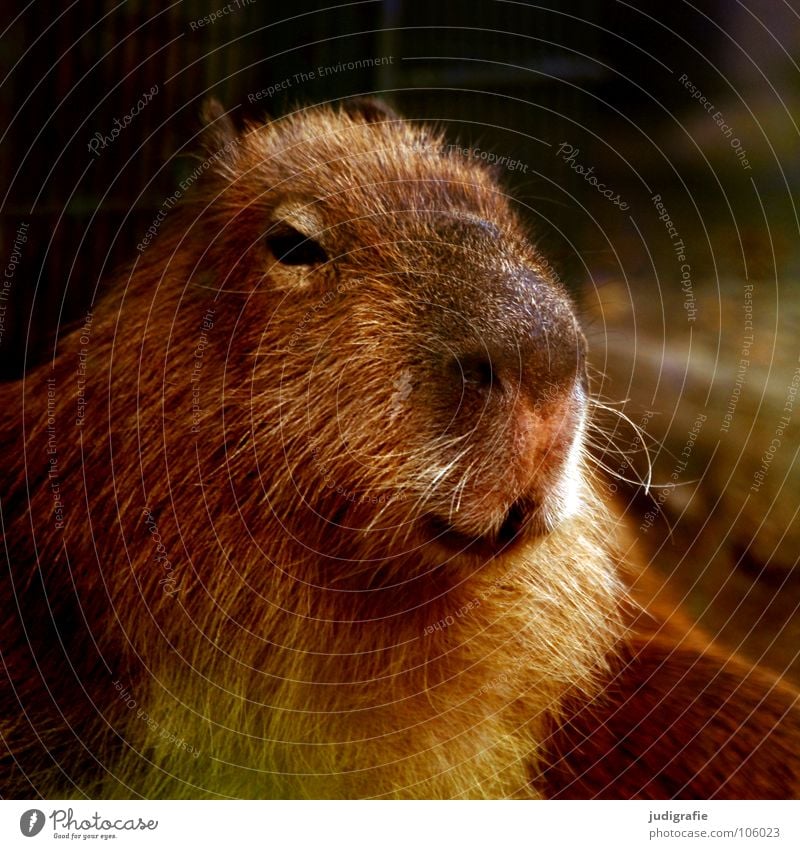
(303, 509)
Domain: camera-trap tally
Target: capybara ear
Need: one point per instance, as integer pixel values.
(369, 110)
(219, 131)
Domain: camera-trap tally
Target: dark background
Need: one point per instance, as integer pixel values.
(514, 78)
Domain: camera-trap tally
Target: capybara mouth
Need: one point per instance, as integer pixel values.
(522, 523)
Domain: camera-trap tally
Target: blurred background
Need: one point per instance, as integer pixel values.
(653, 149)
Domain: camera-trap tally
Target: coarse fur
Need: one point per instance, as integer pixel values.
(327, 528)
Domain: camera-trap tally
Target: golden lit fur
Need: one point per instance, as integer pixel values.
(246, 597)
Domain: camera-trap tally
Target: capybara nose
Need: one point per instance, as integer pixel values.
(520, 372)
(532, 359)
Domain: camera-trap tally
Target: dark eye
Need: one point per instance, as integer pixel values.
(291, 247)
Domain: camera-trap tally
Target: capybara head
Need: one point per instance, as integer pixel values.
(415, 382)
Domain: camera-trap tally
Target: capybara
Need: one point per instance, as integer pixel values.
(304, 508)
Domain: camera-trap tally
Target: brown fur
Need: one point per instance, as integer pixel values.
(311, 633)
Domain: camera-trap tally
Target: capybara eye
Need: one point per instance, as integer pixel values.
(291, 247)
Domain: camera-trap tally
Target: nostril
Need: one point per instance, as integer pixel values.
(476, 372)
